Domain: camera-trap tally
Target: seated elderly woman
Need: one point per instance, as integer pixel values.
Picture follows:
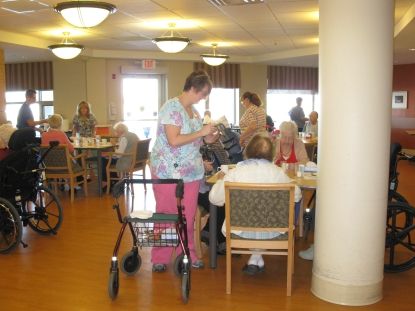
(126, 144)
(55, 133)
(311, 126)
(289, 148)
(256, 168)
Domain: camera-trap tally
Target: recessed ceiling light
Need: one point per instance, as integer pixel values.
(412, 49)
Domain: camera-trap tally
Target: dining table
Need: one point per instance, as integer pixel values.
(98, 147)
(307, 182)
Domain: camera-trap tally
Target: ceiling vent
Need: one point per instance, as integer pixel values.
(23, 6)
(234, 2)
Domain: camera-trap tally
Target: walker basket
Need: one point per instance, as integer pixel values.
(160, 230)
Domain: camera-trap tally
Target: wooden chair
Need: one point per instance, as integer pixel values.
(61, 166)
(112, 168)
(260, 208)
(142, 157)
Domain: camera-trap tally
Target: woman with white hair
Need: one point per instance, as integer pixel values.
(289, 148)
(126, 144)
(55, 133)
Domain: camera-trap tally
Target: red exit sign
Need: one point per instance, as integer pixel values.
(148, 63)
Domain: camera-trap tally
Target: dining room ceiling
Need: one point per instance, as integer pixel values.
(279, 32)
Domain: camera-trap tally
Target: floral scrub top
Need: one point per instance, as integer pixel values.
(84, 126)
(183, 162)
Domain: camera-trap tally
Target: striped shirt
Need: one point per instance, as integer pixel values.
(253, 114)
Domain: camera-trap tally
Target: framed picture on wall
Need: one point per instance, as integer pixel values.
(399, 99)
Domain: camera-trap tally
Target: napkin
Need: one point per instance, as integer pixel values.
(142, 214)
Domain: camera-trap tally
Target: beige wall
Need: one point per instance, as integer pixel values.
(254, 79)
(99, 82)
(69, 83)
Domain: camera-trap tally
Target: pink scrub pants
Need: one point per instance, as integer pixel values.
(165, 196)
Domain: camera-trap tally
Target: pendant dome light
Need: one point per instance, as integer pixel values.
(67, 49)
(172, 43)
(85, 13)
(214, 59)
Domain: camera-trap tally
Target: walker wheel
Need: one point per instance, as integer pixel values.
(185, 287)
(179, 265)
(113, 285)
(130, 263)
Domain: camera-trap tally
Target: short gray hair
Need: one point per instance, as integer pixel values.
(289, 126)
(55, 121)
(119, 126)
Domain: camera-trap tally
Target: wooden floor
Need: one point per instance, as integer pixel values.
(70, 272)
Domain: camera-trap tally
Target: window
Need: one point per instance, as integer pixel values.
(142, 96)
(221, 102)
(41, 109)
(280, 102)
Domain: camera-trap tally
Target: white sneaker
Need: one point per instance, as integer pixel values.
(66, 187)
(307, 254)
(77, 188)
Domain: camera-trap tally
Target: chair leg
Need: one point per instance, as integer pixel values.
(108, 181)
(289, 270)
(197, 242)
(85, 183)
(228, 267)
(72, 188)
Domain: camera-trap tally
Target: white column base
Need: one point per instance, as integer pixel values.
(349, 295)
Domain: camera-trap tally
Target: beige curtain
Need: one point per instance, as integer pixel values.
(223, 76)
(23, 76)
(292, 78)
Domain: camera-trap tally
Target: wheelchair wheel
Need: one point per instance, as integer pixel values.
(179, 266)
(400, 235)
(10, 227)
(113, 284)
(131, 263)
(185, 287)
(45, 212)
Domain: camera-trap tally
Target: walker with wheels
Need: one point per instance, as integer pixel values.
(159, 230)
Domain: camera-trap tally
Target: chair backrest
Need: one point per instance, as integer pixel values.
(57, 159)
(142, 151)
(254, 206)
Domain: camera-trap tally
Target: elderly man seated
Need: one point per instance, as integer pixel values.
(256, 168)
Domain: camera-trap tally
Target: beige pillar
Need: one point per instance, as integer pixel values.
(3, 117)
(356, 51)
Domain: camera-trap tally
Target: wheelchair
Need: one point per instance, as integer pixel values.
(400, 225)
(24, 201)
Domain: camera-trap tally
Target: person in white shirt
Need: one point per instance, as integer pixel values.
(311, 126)
(256, 168)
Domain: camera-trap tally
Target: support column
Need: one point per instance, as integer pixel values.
(2, 88)
(355, 68)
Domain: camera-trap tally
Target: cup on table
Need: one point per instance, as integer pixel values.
(224, 168)
(300, 171)
(97, 139)
(78, 136)
(284, 166)
(104, 141)
(76, 141)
